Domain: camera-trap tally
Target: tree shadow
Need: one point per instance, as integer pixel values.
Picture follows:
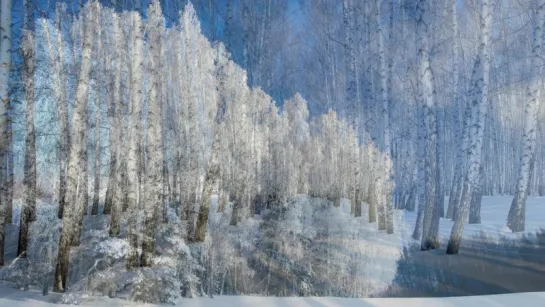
(484, 266)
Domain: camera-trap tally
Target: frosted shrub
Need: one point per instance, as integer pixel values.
(155, 286)
(36, 267)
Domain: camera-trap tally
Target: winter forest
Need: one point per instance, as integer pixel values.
(172, 151)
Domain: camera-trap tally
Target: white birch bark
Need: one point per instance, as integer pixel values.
(387, 138)
(213, 169)
(59, 82)
(154, 166)
(28, 210)
(479, 109)
(98, 116)
(117, 127)
(88, 18)
(430, 235)
(5, 64)
(133, 148)
(517, 212)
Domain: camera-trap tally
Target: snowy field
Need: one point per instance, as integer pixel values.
(11, 298)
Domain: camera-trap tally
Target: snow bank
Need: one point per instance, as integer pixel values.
(14, 298)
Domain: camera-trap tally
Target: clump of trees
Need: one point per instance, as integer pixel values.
(153, 120)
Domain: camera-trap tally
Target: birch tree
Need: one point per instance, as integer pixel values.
(101, 71)
(479, 108)
(76, 151)
(517, 212)
(387, 138)
(213, 166)
(154, 165)
(55, 53)
(5, 64)
(430, 234)
(136, 41)
(28, 210)
(116, 184)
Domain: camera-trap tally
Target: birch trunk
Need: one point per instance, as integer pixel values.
(430, 235)
(154, 165)
(5, 125)
(516, 217)
(98, 115)
(479, 106)
(56, 60)
(76, 146)
(117, 129)
(455, 187)
(387, 139)
(420, 191)
(465, 143)
(371, 196)
(28, 211)
(476, 197)
(114, 121)
(213, 171)
(133, 160)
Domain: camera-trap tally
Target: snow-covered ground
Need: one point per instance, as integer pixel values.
(494, 210)
(13, 298)
(383, 261)
(492, 259)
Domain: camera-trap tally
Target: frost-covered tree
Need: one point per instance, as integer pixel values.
(76, 150)
(5, 65)
(154, 165)
(517, 212)
(136, 66)
(55, 50)
(479, 108)
(430, 233)
(28, 210)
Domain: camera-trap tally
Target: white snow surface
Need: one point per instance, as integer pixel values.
(494, 210)
(33, 298)
(493, 216)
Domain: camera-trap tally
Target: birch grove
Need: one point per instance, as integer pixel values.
(244, 146)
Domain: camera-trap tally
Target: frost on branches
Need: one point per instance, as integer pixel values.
(201, 184)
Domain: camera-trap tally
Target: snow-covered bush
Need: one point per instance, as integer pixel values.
(36, 267)
(225, 252)
(310, 247)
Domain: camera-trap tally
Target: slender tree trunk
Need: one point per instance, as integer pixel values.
(96, 190)
(133, 160)
(417, 233)
(154, 166)
(430, 235)
(116, 181)
(59, 79)
(480, 106)
(476, 197)
(5, 123)
(465, 142)
(213, 171)
(371, 196)
(387, 138)
(28, 210)
(517, 211)
(76, 147)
